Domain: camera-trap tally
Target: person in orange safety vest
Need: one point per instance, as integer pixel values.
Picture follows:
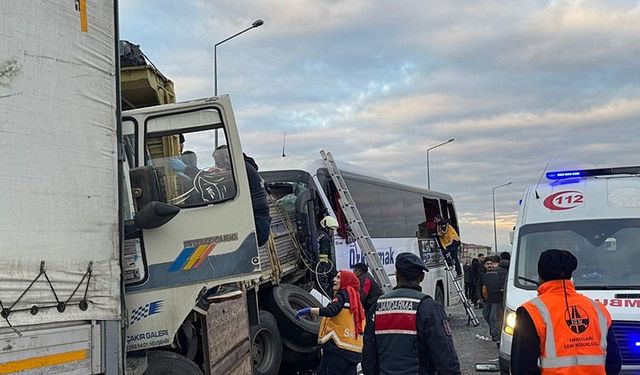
(561, 331)
(341, 327)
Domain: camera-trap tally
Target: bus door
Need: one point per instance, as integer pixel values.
(426, 238)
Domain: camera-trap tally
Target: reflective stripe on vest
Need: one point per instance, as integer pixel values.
(551, 359)
(396, 316)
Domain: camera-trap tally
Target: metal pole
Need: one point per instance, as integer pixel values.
(495, 233)
(428, 174)
(215, 71)
(429, 149)
(255, 24)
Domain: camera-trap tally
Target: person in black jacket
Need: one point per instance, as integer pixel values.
(261, 215)
(407, 332)
(492, 293)
(369, 288)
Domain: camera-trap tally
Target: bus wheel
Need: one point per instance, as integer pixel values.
(266, 346)
(162, 362)
(439, 297)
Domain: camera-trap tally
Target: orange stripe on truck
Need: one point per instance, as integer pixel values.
(84, 27)
(44, 361)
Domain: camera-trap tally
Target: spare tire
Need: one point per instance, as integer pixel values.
(283, 302)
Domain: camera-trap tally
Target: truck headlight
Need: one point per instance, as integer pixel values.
(509, 322)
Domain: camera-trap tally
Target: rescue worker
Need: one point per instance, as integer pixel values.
(369, 288)
(562, 331)
(407, 332)
(450, 242)
(324, 267)
(341, 327)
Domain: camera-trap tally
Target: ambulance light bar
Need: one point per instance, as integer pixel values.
(559, 175)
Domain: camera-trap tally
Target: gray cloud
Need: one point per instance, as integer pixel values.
(518, 84)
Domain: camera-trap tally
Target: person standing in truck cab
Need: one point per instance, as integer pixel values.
(324, 266)
(561, 331)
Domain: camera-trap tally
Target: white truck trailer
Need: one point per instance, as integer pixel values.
(60, 294)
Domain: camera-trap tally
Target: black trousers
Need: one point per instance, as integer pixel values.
(333, 364)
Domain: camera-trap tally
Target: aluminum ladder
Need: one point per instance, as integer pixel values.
(471, 315)
(356, 224)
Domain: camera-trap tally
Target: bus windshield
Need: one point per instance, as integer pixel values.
(607, 252)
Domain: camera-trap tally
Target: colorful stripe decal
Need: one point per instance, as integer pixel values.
(195, 257)
(205, 255)
(182, 259)
(44, 361)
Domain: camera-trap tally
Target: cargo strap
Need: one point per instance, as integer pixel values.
(61, 306)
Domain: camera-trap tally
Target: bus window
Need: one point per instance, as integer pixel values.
(431, 210)
(451, 215)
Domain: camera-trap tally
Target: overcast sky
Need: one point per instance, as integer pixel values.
(516, 83)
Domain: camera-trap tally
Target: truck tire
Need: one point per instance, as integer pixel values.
(284, 301)
(266, 346)
(162, 362)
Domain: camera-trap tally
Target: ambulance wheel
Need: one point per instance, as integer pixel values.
(284, 301)
(161, 362)
(266, 346)
(439, 296)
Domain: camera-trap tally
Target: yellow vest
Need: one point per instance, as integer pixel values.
(449, 236)
(341, 330)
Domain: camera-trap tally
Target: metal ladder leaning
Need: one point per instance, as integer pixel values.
(471, 315)
(356, 224)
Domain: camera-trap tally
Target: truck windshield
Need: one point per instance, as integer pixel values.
(607, 252)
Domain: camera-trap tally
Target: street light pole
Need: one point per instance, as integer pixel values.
(429, 149)
(255, 24)
(495, 233)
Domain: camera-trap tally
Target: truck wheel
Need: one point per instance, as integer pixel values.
(266, 346)
(161, 362)
(439, 297)
(285, 300)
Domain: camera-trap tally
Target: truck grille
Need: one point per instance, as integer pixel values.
(628, 338)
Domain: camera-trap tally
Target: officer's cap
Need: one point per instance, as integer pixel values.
(556, 264)
(410, 263)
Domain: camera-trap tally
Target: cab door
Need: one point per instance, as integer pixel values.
(212, 239)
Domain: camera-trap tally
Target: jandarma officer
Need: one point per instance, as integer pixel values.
(408, 332)
(562, 332)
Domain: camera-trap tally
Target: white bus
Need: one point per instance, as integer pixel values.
(398, 217)
(594, 214)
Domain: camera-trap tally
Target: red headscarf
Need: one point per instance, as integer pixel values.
(350, 283)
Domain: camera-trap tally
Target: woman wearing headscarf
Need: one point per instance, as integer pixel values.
(341, 327)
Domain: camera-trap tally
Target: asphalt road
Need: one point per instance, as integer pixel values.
(471, 350)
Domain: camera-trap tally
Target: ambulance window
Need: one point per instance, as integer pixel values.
(191, 169)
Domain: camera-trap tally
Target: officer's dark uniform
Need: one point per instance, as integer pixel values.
(408, 333)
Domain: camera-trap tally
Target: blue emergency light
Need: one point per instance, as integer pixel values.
(559, 175)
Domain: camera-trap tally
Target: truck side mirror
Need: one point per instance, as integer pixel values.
(145, 185)
(155, 214)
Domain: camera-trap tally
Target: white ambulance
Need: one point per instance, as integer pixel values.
(594, 214)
